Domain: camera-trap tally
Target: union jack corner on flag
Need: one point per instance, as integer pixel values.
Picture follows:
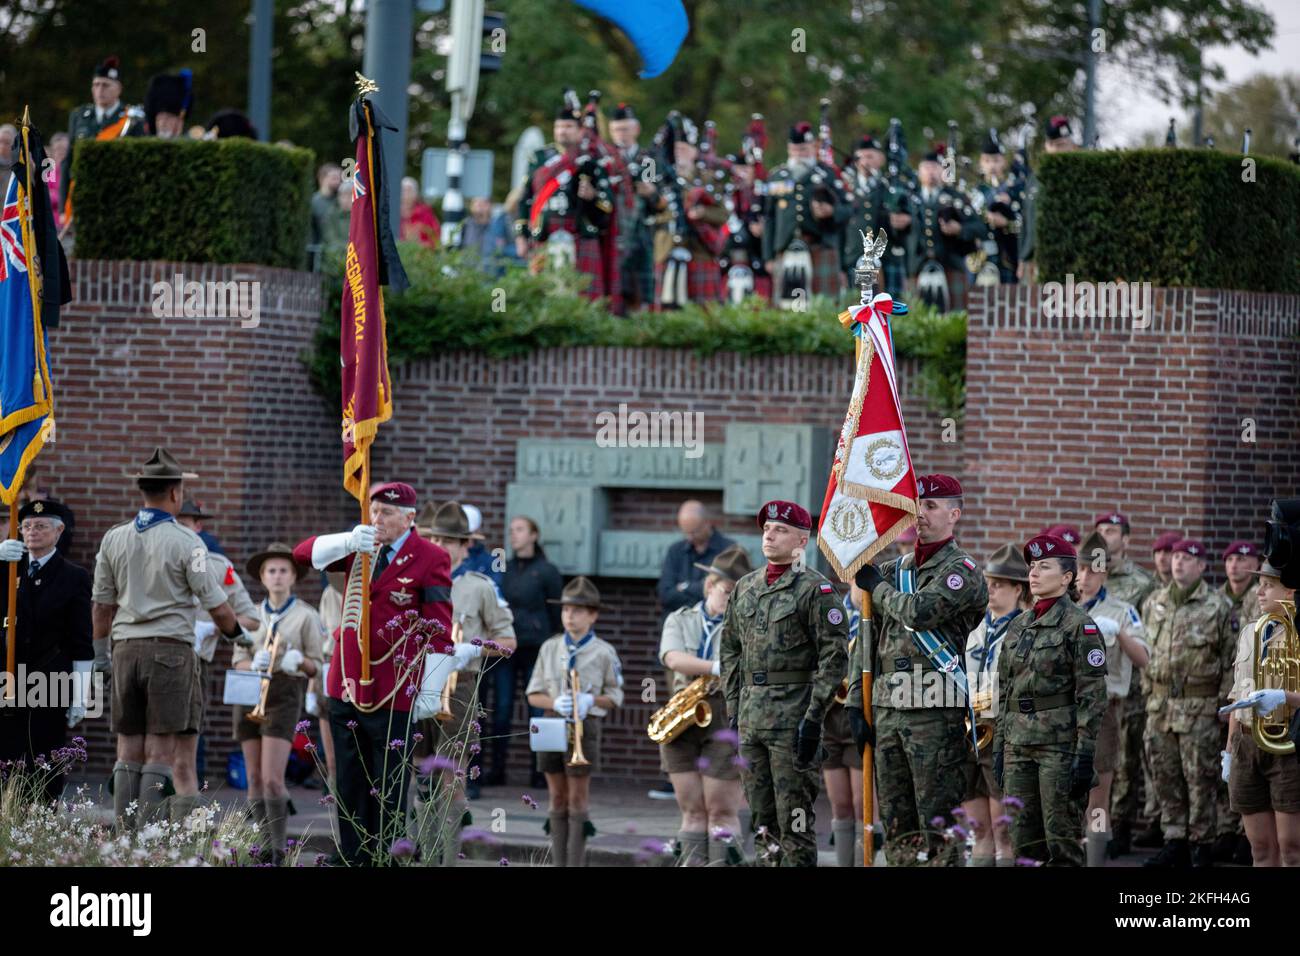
(871, 494)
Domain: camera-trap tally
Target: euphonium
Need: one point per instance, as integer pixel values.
(981, 702)
(1280, 669)
(686, 708)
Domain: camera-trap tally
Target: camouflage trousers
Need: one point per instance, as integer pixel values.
(1049, 827)
(1226, 820)
(780, 796)
(1184, 775)
(923, 762)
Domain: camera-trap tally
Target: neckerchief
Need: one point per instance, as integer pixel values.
(148, 517)
(710, 626)
(573, 647)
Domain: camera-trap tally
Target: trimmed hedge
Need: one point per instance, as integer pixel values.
(185, 200)
(450, 306)
(1171, 217)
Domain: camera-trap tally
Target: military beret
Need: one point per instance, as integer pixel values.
(786, 512)
(1066, 532)
(1047, 546)
(1189, 546)
(938, 486)
(623, 112)
(43, 508)
(1112, 517)
(801, 132)
(992, 145)
(1166, 540)
(1058, 127)
(394, 493)
(869, 142)
(1241, 547)
(110, 69)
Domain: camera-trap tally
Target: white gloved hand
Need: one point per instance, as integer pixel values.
(290, 661)
(466, 652)
(262, 660)
(1109, 628)
(329, 548)
(12, 549)
(362, 539)
(312, 704)
(437, 668)
(1267, 700)
(716, 670)
(564, 704)
(1225, 763)
(81, 676)
(584, 705)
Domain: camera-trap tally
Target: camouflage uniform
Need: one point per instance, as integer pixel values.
(922, 757)
(1130, 583)
(1192, 649)
(783, 656)
(1051, 698)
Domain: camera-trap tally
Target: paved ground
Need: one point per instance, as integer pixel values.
(628, 824)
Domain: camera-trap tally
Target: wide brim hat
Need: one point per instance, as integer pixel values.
(190, 509)
(1267, 570)
(731, 563)
(1092, 543)
(447, 520)
(277, 549)
(580, 592)
(1007, 563)
(161, 465)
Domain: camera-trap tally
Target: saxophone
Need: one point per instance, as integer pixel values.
(687, 708)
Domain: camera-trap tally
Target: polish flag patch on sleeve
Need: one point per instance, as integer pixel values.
(969, 563)
(230, 577)
(1090, 628)
(826, 588)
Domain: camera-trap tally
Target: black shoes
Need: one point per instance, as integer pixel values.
(1175, 854)
(1152, 838)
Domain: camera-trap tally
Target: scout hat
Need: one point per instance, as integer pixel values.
(276, 550)
(190, 509)
(162, 466)
(580, 592)
(448, 520)
(731, 563)
(1089, 549)
(1008, 564)
(1267, 570)
(1047, 546)
(43, 508)
(786, 512)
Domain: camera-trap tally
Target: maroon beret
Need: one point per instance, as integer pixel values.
(1241, 547)
(1111, 517)
(786, 512)
(1189, 546)
(1066, 532)
(1047, 546)
(1166, 541)
(938, 486)
(394, 493)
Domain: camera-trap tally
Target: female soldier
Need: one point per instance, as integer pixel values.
(1121, 632)
(701, 760)
(1052, 693)
(266, 744)
(1008, 581)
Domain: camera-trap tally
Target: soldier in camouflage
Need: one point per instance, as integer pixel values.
(1192, 650)
(783, 656)
(1051, 699)
(923, 758)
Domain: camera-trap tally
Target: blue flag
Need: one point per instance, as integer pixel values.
(26, 393)
(655, 27)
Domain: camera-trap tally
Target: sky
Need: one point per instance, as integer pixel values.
(1126, 111)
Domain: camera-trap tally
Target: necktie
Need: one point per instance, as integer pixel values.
(383, 560)
(32, 569)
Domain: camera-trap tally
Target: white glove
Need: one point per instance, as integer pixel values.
(290, 661)
(362, 539)
(716, 670)
(11, 550)
(1226, 761)
(437, 668)
(312, 704)
(564, 704)
(1109, 628)
(584, 705)
(262, 660)
(465, 652)
(328, 548)
(1268, 700)
(81, 671)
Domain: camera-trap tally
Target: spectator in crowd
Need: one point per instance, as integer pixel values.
(57, 150)
(485, 235)
(419, 224)
(529, 583)
(8, 149)
(326, 223)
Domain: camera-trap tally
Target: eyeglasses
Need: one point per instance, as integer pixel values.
(37, 526)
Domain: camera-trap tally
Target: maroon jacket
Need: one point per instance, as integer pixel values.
(417, 578)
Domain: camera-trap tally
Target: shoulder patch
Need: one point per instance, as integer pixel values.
(955, 582)
(1133, 616)
(969, 563)
(1090, 628)
(230, 576)
(1096, 657)
(835, 616)
(826, 588)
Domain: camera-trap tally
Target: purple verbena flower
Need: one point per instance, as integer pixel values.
(401, 849)
(302, 726)
(727, 736)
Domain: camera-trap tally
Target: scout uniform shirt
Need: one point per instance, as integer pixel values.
(1192, 651)
(1243, 669)
(1051, 681)
(481, 611)
(783, 649)
(692, 631)
(1115, 617)
(236, 596)
(296, 624)
(599, 670)
(983, 647)
(949, 598)
(152, 569)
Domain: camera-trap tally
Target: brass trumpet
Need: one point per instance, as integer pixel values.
(444, 713)
(577, 759)
(980, 702)
(258, 714)
(1281, 670)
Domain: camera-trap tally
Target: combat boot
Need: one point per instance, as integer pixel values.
(1173, 855)
(1203, 855)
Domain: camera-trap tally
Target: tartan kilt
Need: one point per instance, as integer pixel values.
(587, 259)
(827, 274)
(703, 279)
(638, 278)
(763, 287)
(894, 274)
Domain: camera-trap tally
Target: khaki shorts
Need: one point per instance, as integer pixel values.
(1259, 782)
(552, 762)
(698, 750)
(283, 711)
(1106, 756)
(982, 783)
(442, 737)
(156, 687)
(837, 737)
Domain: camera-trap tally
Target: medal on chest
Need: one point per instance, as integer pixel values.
(401, 597)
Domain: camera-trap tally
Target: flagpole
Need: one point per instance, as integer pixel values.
(868, 754)
(11, 619)
(365, 574)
